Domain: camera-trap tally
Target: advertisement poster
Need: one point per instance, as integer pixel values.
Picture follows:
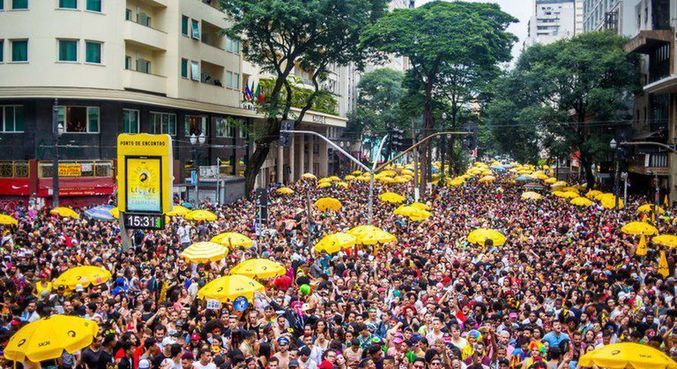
(144, 184)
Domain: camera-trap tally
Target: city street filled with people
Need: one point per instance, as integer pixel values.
(485, 270)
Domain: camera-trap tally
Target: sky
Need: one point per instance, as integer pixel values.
(520, 9)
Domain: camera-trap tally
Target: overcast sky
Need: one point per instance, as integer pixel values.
(520, 9)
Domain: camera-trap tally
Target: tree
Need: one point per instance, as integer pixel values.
(578, 88)
(280, 35)
(440, 38)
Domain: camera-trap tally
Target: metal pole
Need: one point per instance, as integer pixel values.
(218, 178)
(419, 143)
(616, 183)
(658, 190)
(625, 189)
(335, 146)
(55, 163)
(196, 201)
(371, 179)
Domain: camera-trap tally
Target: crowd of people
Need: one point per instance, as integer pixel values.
(565, 282)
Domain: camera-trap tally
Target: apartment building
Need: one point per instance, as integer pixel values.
(113, 66)
(552, 20)
(615, 15)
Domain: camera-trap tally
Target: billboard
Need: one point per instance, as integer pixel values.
(144, 173)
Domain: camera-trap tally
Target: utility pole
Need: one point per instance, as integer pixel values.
(57, 131)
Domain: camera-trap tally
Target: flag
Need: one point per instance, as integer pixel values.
(260, 98)
(666, 202)
(641, 247)
(247, 93)
(663, 268)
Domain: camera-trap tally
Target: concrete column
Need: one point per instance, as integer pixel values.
(311, 155)
(280, 163)
(292, 175)
(302, 155)
(324, 158)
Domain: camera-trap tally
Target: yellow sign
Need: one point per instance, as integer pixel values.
(641, 247)
(70, 170)
(663, 268)
(145, 173)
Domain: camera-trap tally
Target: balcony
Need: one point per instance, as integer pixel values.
(133, 80)
(146, 36)
(649, 163)
(155, 3)
(646, 41)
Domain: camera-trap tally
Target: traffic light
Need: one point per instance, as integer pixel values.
(397, 139)
(285, 137)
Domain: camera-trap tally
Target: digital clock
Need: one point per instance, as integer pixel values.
(144, 220)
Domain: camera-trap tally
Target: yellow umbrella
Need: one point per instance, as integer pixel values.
(232, 240)
(259, 268)
(481, 235)
(49, 337)
(649, 208)
(8, 220)
(569, 189)
(457, 182)
(387, 173)
(371, 235)
(328, 203)
(350, 177)
(627, 355)
(84, 275)
(550, 180)
(667, 240)
(115, 212)
(284, 191)
(487, 179)
(230, 287)
(639, 228)
(391, 197)
(558, 184)
(357, 173)
(334, 178)
(581, 201)
(324, 185)
(325, 179)
(406, 172)
(412, 213)
(610, 203)
(64, 212)
(342, 184)
(420, 205)
(204, 252)
(592, 193)
(530, 195)
(201, 215)
(308, 176)
(178, 211)
(335, 242)
(569, 195)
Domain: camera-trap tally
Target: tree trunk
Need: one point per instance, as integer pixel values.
(428, 124)
(587, 167)
(259, 156)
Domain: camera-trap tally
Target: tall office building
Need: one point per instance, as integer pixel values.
(579, 18)
(615, 15)
(132, 66)
(552, 20)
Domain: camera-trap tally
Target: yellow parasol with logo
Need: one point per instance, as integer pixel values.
(650, 208)
(530, 195)
(391, 197)
(667, 240)
(64, 212)
(178, 211)
(259, 268)
(371, 235)
(201, 215)
(230, 287)
(481, 235)
(49, 337)
(581, 201)
(336, 242)
(328, 203)
(84, 275)
(204, 252)
(627, 355)
(232, 240)
(639, 228)
(8, 220)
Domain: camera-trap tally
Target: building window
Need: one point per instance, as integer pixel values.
(194, 71)
(79, 119)
(94, 5)
(184, 25)
(143, 19)
(236, 81)
(184, 68)
(2, 49)
(195, 125)
(93, 51)
(130, 121)
(196, 29)
(19, 50)
(229, 79)
(243, 130)
(128, 62)
(163, 123)
(224, 128)
(128, 14)
(229, 44)
(236, 46)
(19, 4)
(68, 4)
(2, 4)
(68, 50)
(143, 65)
(12, 118)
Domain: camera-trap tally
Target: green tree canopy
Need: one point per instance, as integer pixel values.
(378, 103)
(280, 35)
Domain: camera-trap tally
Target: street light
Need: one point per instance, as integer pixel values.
(57, 131)
(444, 147)
(196, 141)
(613, 145)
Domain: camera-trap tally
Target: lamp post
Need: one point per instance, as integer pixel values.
(57, 131)
(613, 145)
(196, 141)
(444, 148)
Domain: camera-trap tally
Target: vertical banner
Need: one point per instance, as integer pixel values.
(144, 173)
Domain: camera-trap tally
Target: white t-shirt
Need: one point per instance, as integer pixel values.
(198, 365)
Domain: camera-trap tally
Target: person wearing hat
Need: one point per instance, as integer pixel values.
(282, 355)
